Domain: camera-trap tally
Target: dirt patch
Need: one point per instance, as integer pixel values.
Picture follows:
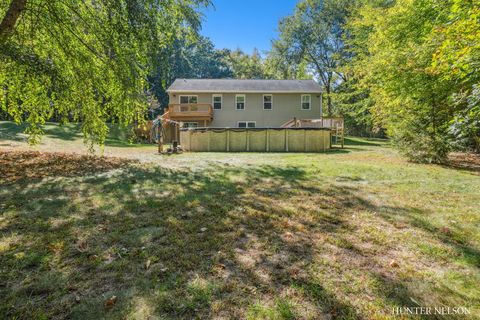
(20, 165)
(465, 161)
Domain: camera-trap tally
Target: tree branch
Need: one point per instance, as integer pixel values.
(7, 25)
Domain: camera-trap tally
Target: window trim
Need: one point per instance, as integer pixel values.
(246, 124)
(216, 95)
(263, 102)
(186, 95)
(309, 102)
(244, 102)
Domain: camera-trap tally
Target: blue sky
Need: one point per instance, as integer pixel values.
(244, 24)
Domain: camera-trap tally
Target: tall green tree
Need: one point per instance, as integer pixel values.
(244, 65)
(457, 60)
(85, 60)
(254, 66)
(189, 56)
(276, 65)
(414, 58)
(314, 34)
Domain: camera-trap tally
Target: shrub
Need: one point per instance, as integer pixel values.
(465, 127)
(421, 146)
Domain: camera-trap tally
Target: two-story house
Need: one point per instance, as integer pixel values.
(243, 103)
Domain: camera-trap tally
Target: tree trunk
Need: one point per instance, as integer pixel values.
(329, 100)
(7, 25)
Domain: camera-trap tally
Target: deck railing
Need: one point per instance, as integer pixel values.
(325, 122)
(335, 124)
(195, 110)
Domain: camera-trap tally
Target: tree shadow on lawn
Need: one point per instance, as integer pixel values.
(449, 237)
(351, 141)
(345, 150)
(355, 145)
(12, 131)
(116, 137)
(219, 242)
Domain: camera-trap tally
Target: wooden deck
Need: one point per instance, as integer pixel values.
(335, 124)
(190, 112)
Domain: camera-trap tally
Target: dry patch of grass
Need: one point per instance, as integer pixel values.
(465, 161)
(24, 165)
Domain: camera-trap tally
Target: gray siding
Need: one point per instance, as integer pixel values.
(286, 106)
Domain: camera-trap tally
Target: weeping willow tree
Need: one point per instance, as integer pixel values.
(84, 61)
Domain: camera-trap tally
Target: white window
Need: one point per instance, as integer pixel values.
(190, 125)
(240, 102)
(188, 99)
(246, 124)
(217, 101)
(306, 102)
(267, 102)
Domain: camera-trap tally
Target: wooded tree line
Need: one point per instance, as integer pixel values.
(410, 67)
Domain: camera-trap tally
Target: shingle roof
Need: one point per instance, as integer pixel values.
(244, 86)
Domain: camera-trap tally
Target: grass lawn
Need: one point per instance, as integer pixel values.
(348, 234)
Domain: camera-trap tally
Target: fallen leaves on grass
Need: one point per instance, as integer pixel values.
(394, 264)
(82, 246)
(465, 161)
(446, 230)
(20, 165)
(111, 301)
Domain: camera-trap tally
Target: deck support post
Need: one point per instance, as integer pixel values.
(286, 140)
(325, 142)
(268, 139)
(190, 132)
(208, 141)
(228, 140)
(304, 140)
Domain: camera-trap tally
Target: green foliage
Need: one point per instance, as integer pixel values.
(418, 144)
(465, 126)
(314, 35)
(86, 61)
(189, 56)
(278, 67)
(245, 66)
(457, 60)
(313, 39)
(398, 57)
(408, 66)
(354, 103)
(253, 66)
(458, 50)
